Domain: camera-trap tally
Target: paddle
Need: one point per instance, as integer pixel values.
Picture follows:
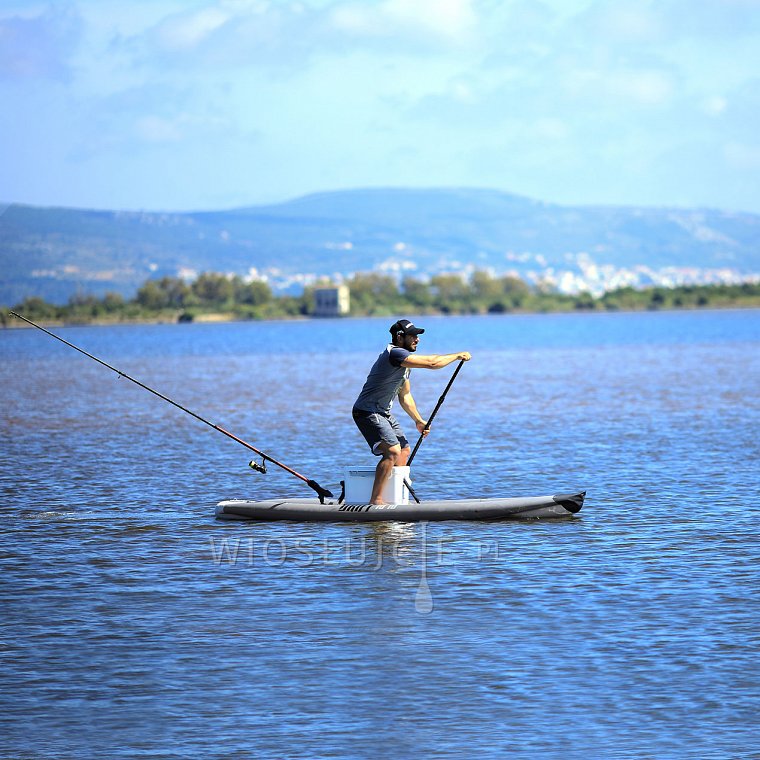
(427, 426)
(321, 492)
(435, 411)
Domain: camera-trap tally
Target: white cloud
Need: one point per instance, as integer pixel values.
(186, 30)
(636, 86)
(156, 129)
(742, 157)
(450, 19)
(714, 105)
(624, 22)
(724, 20)
(39, 46)
(647, 87)
(560, 99)
(551, 128)
(289, 35)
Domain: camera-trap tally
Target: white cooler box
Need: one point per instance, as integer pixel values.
(359, 482)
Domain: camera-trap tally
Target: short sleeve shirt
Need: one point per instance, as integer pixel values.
(384, 381)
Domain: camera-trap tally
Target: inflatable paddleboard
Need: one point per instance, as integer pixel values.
(303, 509)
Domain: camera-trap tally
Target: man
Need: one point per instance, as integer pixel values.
(388, 378)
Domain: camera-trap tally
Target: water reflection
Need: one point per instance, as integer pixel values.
(400, 551)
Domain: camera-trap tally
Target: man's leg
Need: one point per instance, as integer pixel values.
(389, 459)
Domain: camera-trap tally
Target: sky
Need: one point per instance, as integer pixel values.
(193, 105)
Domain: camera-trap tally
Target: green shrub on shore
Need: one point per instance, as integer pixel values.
(170, 299)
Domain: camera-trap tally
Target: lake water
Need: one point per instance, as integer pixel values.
(136, 625)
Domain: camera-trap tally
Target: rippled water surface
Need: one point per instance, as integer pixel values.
(135, 625)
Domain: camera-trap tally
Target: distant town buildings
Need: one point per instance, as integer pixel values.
(598, 279)
(572, 274)
(332, 302)
(576, 273)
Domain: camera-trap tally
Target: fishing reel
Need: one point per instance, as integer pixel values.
(262, 468)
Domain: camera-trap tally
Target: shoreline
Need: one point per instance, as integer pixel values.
(12, 323)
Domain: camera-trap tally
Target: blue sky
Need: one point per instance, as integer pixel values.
(173, 105)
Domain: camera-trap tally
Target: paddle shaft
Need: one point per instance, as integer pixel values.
(313, 484)
(435, 411)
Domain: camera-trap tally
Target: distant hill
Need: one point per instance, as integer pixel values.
(55, 252)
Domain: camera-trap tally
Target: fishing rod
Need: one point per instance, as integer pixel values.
(321, 492)
(435, 411)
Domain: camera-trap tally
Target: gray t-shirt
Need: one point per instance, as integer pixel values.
(384, 381)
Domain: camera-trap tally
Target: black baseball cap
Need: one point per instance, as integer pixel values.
(405, 326)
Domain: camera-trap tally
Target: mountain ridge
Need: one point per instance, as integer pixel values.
(54, 252)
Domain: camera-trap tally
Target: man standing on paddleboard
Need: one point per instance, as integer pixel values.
(388, 378)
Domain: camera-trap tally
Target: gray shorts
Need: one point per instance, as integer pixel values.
(379, 428)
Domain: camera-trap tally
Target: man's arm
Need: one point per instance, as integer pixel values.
(434, 361)
(409, 406)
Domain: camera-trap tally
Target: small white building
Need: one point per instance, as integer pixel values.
(332, 302)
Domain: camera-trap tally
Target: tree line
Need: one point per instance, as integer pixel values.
(173, 299)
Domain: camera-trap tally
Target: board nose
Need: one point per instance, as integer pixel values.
(572, 502)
